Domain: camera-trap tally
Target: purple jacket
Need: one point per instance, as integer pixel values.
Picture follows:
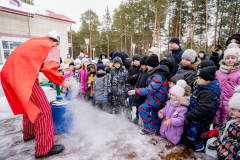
(228, 82)
(173, 131)
(83, 76)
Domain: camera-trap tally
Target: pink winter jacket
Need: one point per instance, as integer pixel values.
(83, 76)
(228, 82)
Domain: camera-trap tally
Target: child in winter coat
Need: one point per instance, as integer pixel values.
(83, 76)
(173, 114)
(109, 103)
(188, 66)
(203, 106)
(91, 68)
(100, 86)
(228, 140)
(76, 69)
(67, 71)
(106, 63)
(133, 74)
(141, 83)
(118, 87)
(229, 78)
(156, 93)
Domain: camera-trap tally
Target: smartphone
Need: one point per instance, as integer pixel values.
(218, 47)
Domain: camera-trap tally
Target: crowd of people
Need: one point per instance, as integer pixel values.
(178, 97)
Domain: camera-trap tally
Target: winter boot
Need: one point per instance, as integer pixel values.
(135, 120)
(144, 132)
(54, 150)
(213, 146)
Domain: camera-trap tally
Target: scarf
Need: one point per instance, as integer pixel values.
(229, 69)
(174, 103)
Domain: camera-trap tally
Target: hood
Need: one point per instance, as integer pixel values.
(168, 62)
(214, 86)
(162, 70)
(178, 50)
(103, 54)
(194, 65)
(185, 101)
(91, 64)
(124, 56)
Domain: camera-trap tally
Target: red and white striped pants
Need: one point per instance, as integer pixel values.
(42, 129)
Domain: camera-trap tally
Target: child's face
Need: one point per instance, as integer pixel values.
(143, 66)
(149, 68)
(171, 84)
(201, 55)
(185, 62)
(107, 64)
(117, 65)
(201, 81)
(71, 66)
(236, 113)
(136, 63)
(66, 69)
(103, 57)
(100, 71)
(231, 60)
(172, 97)
(92, 69)
(108, 74)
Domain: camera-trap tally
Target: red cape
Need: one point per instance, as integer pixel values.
(20, 72)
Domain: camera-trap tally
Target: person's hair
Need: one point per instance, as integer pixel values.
(54, 40)
(232, 39)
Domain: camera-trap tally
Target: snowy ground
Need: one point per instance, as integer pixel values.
(95, 135)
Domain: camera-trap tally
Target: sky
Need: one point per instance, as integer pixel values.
(74, 8)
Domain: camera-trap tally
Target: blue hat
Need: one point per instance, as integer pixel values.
(108, 70)
(117, 54)
(175, 40)
(100, 65)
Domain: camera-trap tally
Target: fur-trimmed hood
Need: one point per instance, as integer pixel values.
(91, 64)
(185, 101)
(194, 65)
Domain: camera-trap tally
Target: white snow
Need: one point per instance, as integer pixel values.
(95, 135)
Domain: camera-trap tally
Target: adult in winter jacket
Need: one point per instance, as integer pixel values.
(176, 53)
(124, 57)
(202, 55)
(229, 78)
(142, 82)
(100, 86)
(118, 86)
(70, 57)
(173, 114)
(156, 93)
(188, 66)
(203, 106)
(217, 56)
(91, 68)
(103, 56)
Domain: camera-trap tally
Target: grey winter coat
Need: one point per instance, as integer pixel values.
(100, 86)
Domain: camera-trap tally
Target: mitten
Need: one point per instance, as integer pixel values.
(211, 133)
(105, 99)
(168, 122)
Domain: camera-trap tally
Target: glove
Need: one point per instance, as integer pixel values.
(160, 114)
(93, 97)
(168, 122)
(105, 99)
(211, 133)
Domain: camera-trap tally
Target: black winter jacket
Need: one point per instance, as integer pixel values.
(133, 75)
(216, 58)
(177, 54)
(142, 82)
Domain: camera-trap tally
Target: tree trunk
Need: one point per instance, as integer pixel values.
(125, 39)
(177, 24)
(169, 26)
(193, 29)
(121, 42)
(154, 32)
(206, 25)
(160, 39)
(147, 29)
(108, 45)
(138, 42)
(215, 33)
(143, 48)
(117, 47)
(234, 31)
(189, 40)
(180, 25)
(158, 33)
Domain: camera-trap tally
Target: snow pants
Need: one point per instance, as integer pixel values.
(149, 115)
(42, 128)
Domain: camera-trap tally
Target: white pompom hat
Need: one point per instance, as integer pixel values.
(179, 89)
(232, 50)
(234, 101)
(77, 61)
(105, 61)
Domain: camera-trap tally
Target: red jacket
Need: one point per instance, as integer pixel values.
(21, 70)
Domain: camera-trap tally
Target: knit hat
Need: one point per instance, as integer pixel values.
(176, 78)
(117, 60)
(175, 40)
(100, 65)
(190, 55)
(86, 53)
(232, 50)
(207, 73)
(136, 57)
(235, 36)
(117, 54)
(202, 52)
(77, 61)
(234, 101)
(205, 63)
(155, 50)
(65, 66)
(105, 61)
(72, 63)
(81, 54)
(108, 70)
(143, 60)
(152, 60)
(169, 62)
(84, 60)
(69, 54)
(179, 89)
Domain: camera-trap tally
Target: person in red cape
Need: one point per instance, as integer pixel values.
(19, 78)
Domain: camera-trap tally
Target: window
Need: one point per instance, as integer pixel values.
(8, 48)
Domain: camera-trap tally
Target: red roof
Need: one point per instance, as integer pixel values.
(49, 14)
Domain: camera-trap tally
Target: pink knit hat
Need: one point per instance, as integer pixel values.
(179, 89)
